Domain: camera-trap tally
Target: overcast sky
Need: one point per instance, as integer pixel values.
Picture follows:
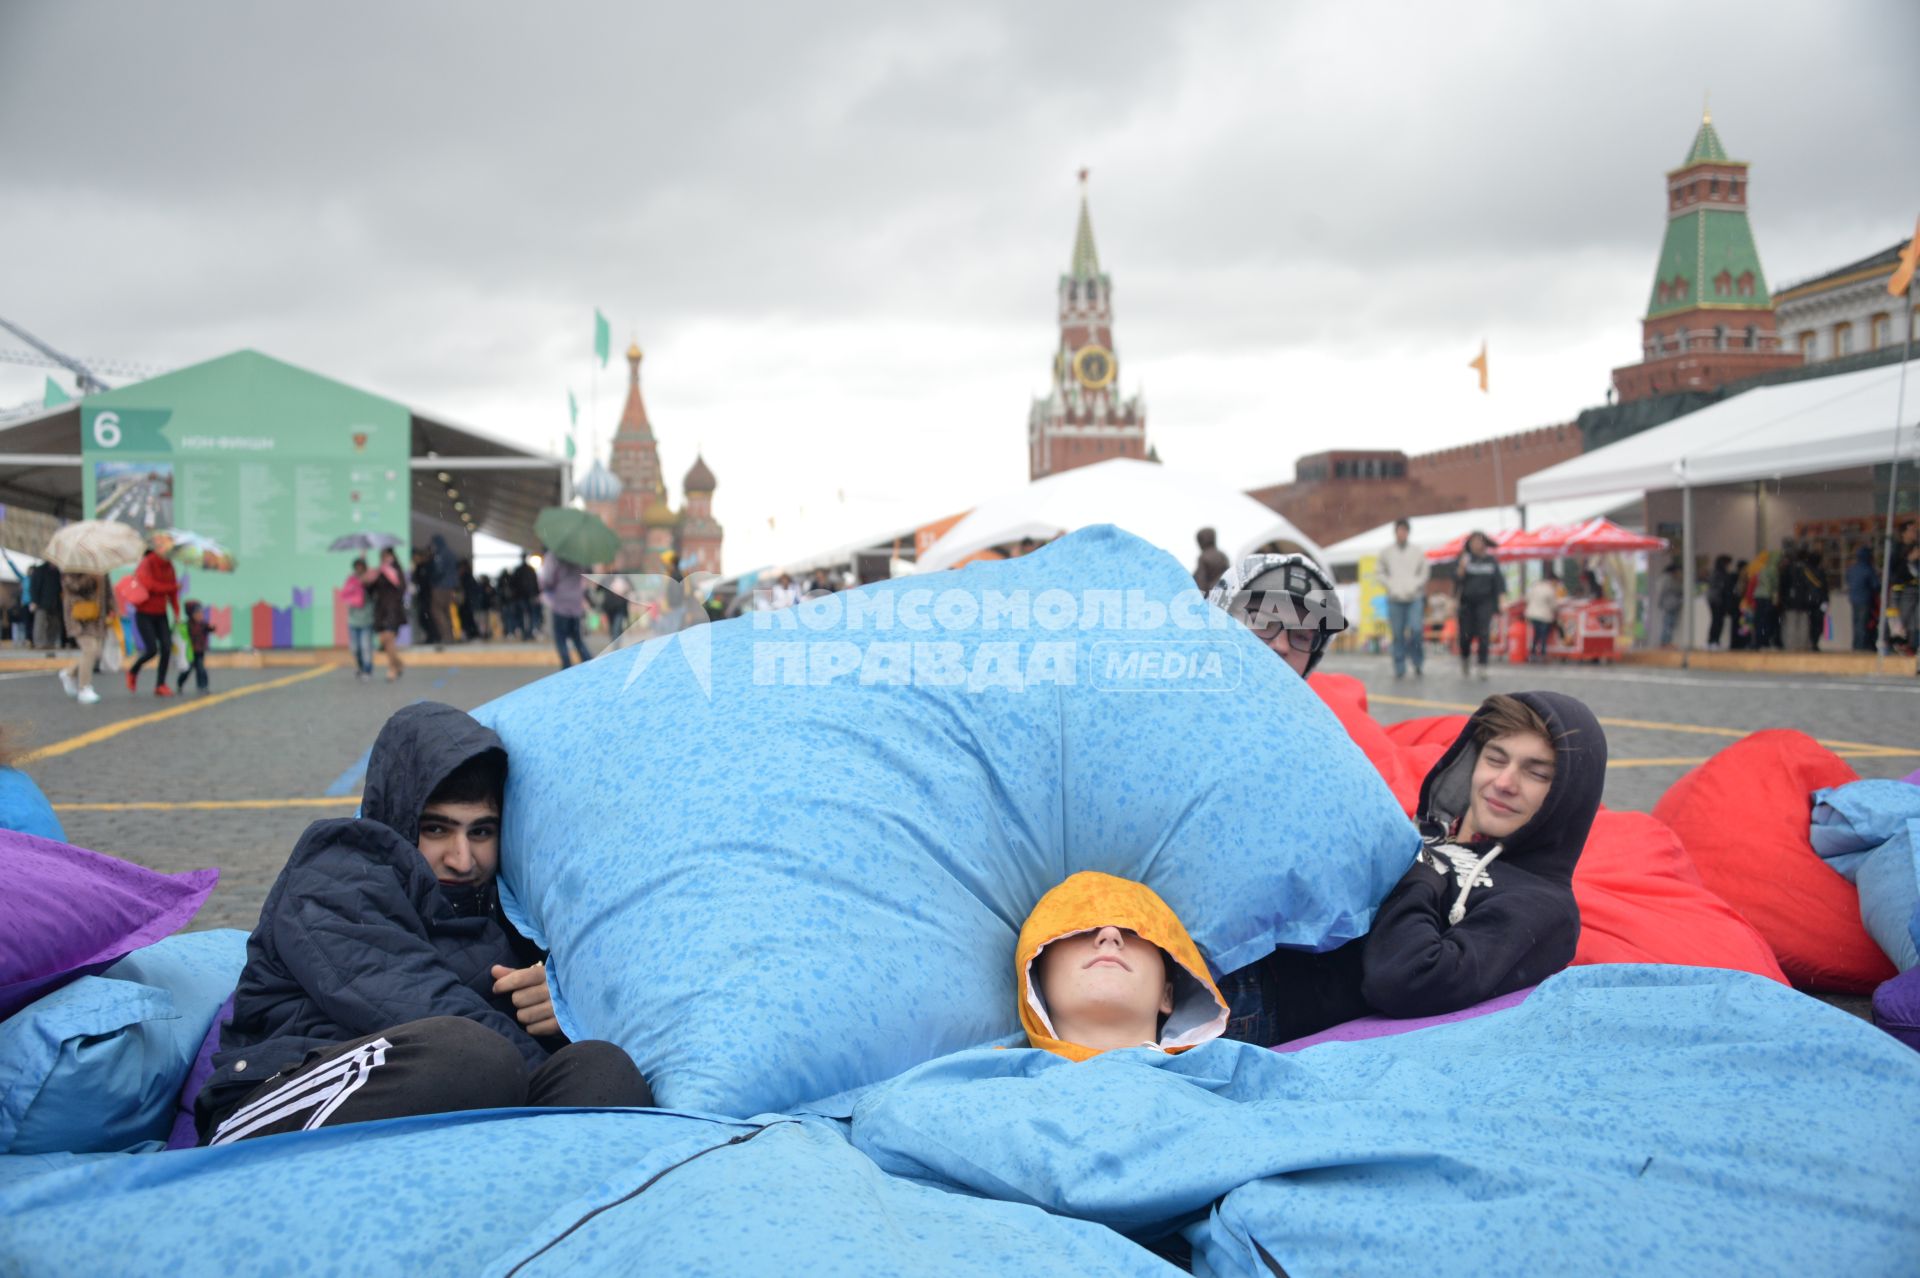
(836, 228)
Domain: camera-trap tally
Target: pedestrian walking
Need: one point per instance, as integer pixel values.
(1212, 564)
(1403, 570)
(468, 605)
(359, 606)
(526, 593)
(613, 606)
(44, 587)
(1477, 585)
(1863, 598)
(1765, 595)
(423, 616)
(87, 598)
(387, 592)
(1903, 586)
(155, 593)
(198, 635)
(565, 590)
(1723, 599)
(444, 580)
(1543, 609)
(1669, 596)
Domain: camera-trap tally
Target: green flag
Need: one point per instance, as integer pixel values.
(54, 396)
(602, 337)
(569, 445)
(573, 408)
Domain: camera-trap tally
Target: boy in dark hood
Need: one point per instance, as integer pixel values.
(1487, 906)
(382, 979)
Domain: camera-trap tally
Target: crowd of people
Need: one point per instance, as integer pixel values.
(1780, 599)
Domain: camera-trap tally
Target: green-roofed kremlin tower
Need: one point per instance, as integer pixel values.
(1709, 316)
(1083, 418)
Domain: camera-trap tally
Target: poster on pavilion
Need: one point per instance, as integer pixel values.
(246, 472)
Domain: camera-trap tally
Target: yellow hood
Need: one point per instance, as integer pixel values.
(1088, 901)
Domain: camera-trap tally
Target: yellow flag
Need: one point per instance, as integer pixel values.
(1480, 363)
(1909, 258)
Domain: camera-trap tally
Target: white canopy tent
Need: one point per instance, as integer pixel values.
(1799, 428)
(1437, 530)
(1154, 502)
(1810, 427)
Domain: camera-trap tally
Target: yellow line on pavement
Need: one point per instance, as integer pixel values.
(1866, 749)
(108, 731)
(208, 805)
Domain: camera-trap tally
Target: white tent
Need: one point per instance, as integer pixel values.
(1798, 428)
(1154, 502)
(1437, 530)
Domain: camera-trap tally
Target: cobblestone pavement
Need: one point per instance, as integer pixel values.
(295, 746)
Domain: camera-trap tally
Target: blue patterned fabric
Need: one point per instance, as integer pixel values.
(444, 1194)
(1624, 1119)
(788, 855)
(98, 1064)
(1870, 832)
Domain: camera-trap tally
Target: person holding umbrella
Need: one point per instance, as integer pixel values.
(572, 537)
(386, 592)
(84, 552)
(154, 593)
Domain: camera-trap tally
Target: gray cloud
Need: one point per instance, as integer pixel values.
(429, 198)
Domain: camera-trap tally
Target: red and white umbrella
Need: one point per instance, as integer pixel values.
(1596, 536)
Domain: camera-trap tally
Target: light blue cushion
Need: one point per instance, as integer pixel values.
(1869, 831)
(787, 855)
(24, 808)
(97, 1065)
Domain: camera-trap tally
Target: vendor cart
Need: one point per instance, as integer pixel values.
(1583, 630)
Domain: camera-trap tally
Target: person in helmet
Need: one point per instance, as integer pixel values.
(1288, 601)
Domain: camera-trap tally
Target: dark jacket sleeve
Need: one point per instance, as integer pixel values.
(352, 938)
(1416, 964)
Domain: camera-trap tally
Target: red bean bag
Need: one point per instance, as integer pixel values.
(1743, 816)
(1640, 898)
(1642, 901)
(1346, 696)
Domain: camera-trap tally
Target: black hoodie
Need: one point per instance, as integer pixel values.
(1515, 931)
(1519, 924)
(358, 936)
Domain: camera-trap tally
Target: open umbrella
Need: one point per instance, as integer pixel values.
(363, 541)
(577, 536)
(194, 550)
(95, 545)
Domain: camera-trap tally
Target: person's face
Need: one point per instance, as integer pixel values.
(1109, 973)
(1510, 782)
(1477, 544)
(1400, 534)
(461, 841)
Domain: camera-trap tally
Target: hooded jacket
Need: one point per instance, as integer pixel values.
(1088, 901)
(1447, 937)
(1297, 575)
(358, 936)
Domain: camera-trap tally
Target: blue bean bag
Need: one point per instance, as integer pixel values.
(1870, 832)
(786, 855)
(99, 1065)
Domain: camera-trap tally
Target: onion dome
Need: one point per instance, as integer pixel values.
(699, 479)
(659, 513)
(600, 484)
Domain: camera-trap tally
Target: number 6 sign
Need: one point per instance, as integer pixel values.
(106, 429)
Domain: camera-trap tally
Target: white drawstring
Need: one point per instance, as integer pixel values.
(1469, 870)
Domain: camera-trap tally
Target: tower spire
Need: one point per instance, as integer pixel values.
(1086, 261)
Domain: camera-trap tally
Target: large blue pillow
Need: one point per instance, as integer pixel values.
(1870, 832)
(787, 855)
(97, 1065)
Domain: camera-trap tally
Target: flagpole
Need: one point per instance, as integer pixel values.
(1893, 487)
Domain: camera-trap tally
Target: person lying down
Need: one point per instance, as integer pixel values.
(1102, 963)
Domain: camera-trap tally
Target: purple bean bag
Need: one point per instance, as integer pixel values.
(1383, 1026)
(1896, 1007)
